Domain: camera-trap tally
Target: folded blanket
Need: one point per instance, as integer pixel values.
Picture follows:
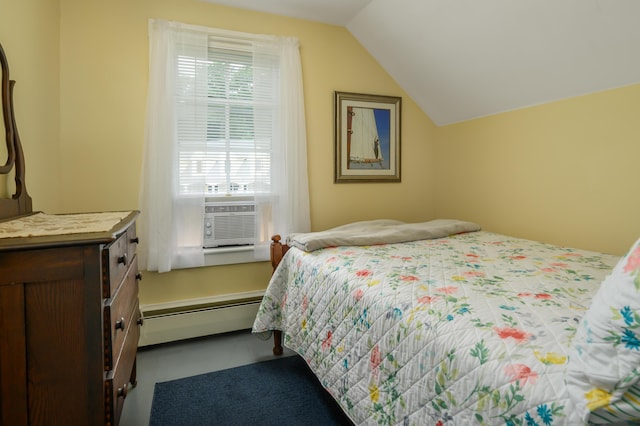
(382, 231)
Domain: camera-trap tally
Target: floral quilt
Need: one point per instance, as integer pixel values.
(470, 329)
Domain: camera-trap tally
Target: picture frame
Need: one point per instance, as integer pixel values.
(367, 137)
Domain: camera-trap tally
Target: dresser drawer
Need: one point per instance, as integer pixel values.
(115, 264)
(132, 241)
(116, 384)
(118, 312)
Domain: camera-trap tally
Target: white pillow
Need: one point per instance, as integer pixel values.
(604, 361)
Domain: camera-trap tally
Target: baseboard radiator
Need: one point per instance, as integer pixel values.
(186, 319)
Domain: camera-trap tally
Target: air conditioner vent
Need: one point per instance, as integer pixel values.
(229, 224)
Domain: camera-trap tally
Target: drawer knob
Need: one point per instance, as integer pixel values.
(120, 324)
(139, 276)
(122, 392)
(123, 259)
(135, 240)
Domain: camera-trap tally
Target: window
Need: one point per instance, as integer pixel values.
(232, 161)
(225, 120)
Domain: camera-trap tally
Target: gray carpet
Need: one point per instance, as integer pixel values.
(281, 391)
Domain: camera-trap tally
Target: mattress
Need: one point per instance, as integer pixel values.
(470, 329)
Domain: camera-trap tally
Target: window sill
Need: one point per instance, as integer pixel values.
(229, 255)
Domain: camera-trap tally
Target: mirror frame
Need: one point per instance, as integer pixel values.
(20, 202)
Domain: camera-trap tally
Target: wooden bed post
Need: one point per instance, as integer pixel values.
(278, 251)
(277, 342)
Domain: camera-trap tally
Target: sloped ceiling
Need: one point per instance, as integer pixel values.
(464, 59)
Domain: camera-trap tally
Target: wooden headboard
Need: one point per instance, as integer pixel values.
(20, 201)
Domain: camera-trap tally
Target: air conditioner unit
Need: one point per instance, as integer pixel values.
(229, 223)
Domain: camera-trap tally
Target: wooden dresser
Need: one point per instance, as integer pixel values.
(69, 321)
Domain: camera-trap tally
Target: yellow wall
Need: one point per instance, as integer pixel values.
(104, 66)
(564, 172)
(29, 32)
(567, 172)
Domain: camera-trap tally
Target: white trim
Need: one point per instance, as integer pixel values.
(229, 256)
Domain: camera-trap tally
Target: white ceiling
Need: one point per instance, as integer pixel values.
(336, 12)
(463, 59)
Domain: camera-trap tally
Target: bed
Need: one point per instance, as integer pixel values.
(459, 326)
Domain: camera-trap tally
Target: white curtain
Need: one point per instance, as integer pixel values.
(287, 209)
(171, 223)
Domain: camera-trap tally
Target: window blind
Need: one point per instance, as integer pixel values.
(225, 120)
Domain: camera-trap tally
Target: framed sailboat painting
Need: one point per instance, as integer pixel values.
(367, 138)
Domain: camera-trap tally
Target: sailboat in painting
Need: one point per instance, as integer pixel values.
(363, 142)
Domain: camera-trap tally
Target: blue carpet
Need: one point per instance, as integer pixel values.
(282, 391)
